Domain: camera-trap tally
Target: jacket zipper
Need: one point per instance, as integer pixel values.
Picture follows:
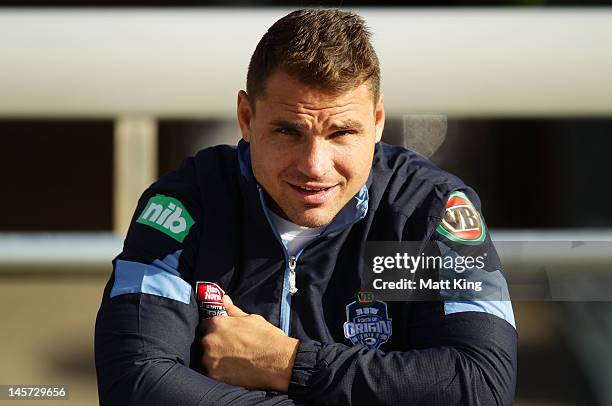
(292, 264)
(289, 283)
(285, 308)
(289, 278)
(290, 286)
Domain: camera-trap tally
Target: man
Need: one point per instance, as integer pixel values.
(280, 225)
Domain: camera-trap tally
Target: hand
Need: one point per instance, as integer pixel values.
(245, 350)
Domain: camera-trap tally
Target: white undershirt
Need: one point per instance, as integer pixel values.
(294, 237)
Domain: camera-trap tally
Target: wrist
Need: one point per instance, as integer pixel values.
(306, 365)
(287, 359)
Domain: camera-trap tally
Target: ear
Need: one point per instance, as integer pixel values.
(245, 114)
(379, 117)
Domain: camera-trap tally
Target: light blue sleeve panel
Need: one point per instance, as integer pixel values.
(493, 299)
(499, 308)
(160, 278)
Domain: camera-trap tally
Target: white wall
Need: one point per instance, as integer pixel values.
(191, 62)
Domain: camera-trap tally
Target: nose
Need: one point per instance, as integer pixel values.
(315, 159)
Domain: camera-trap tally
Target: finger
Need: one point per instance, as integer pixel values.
(211, 325)
(231, 308)
(205, 326)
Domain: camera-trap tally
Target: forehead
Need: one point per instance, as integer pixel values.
(286, 95)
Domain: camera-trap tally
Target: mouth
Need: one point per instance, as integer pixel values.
(314, 193)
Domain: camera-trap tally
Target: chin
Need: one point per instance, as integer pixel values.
(312, 218)
(313, 223)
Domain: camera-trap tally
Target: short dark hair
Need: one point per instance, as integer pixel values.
(329, 49)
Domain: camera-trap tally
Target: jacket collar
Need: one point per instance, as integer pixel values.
(355, 210)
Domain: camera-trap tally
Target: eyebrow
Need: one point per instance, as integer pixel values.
(347, 125)
(340, 125)
(294, 125)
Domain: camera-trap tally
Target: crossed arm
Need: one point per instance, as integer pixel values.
(467, 366)
(145, 346)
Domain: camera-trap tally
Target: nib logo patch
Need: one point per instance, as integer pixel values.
(167, 215)
(461, 221)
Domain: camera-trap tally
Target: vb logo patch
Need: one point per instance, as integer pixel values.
(367, 321)
(167, 215)
(209, 297)
(461, 221)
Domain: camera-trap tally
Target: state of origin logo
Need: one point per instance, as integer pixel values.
(367, 321)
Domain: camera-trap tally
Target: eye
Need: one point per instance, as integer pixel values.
(342, 133)
(288, 131)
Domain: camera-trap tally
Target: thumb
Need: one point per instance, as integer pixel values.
(231, 308)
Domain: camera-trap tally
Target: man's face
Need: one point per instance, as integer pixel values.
(311, 150)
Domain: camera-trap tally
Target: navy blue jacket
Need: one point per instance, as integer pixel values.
(208, 222)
